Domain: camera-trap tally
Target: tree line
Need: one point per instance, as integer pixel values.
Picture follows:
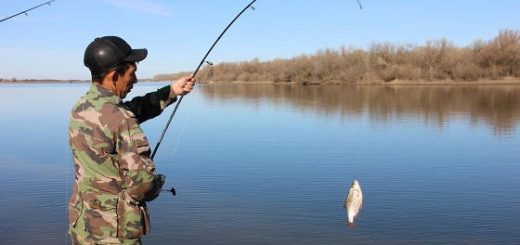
(382, 62)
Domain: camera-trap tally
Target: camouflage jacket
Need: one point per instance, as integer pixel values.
(114, 175)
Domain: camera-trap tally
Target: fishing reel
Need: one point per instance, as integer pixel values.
(160, 178)
(172, 190)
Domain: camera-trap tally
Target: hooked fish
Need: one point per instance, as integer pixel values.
(354, 201)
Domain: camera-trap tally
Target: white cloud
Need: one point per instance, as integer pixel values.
(142, 6)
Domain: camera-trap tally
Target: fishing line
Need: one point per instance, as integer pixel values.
(27, 10)
(172, 190)
(195, 73)
(179, 138)
(180, 135)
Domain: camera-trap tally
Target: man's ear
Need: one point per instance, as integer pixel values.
(112, 77)
(115, 76)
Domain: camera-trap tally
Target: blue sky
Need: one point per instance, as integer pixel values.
(49, 43)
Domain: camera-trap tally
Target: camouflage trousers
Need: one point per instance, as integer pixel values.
(108, 219)
(78, 239)
(78, 236)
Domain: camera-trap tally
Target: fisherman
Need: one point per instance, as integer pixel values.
(114, 174)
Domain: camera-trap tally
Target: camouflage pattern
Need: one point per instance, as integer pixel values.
(114, 176)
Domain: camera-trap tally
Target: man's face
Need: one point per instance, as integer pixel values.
(126, 81)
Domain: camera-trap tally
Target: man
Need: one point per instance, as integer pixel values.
(114, 176)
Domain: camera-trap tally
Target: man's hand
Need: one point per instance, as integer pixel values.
(183, 86)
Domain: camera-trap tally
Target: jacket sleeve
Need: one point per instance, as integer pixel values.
(150, 105)
(137, 170)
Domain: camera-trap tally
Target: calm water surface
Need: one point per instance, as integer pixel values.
(271, 164)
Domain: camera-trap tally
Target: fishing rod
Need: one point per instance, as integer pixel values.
(27, 10)
(360, 6)
(197, 70)
(250, 5)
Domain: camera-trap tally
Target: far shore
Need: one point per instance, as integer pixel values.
(40, 81)
(502, 81)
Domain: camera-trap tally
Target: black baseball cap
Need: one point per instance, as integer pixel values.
(105, 53)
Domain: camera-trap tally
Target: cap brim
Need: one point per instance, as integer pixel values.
(137, 55)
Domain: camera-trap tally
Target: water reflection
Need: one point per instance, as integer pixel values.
(496, 106)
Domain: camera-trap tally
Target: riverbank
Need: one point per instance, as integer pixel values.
(14, 81)
(502, 81)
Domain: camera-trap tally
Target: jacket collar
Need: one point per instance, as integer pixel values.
(99, 92)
